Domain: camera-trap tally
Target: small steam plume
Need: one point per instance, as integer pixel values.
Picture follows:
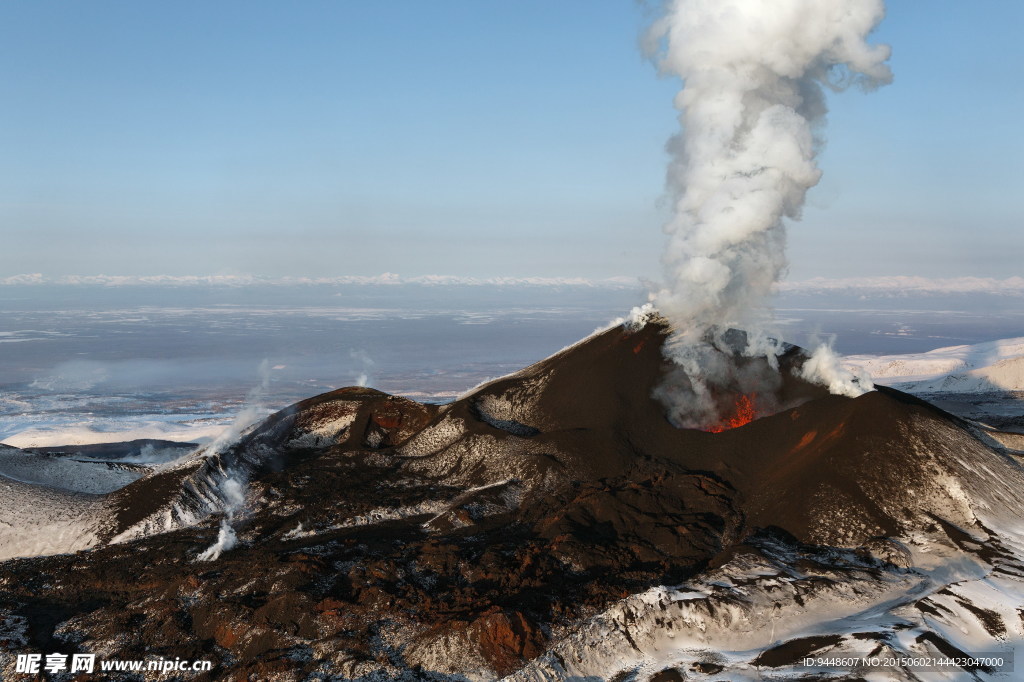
(825, 367)
(752, 108)
(231, 484)
(233, 491)
(253, 410)
(366, 366)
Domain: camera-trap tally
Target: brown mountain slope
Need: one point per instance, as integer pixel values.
(379, 535)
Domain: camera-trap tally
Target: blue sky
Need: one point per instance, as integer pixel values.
(465, 138)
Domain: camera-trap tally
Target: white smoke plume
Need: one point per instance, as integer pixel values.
(825, 367)
(231, 485)
(751, 109)
(226, 540)
(233, 491)
(253, 411)
(367, 364)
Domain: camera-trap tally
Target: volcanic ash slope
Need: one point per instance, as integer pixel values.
(553, 525)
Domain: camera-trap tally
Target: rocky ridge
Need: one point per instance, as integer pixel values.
(548, 525)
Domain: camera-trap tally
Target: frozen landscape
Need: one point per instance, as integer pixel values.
(663, 392)
(552, 519)
(468, 483)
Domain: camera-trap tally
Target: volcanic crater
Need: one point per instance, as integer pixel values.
(551, 524)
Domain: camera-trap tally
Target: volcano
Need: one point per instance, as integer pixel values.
(548, 525)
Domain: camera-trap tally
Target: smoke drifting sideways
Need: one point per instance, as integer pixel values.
(251, 414)
(752, 110)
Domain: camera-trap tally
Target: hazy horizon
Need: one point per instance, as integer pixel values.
(96, 363)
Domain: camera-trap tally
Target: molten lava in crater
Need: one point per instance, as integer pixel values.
(743, 413)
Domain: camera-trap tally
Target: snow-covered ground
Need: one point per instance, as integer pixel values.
(948, 585)
(67, 473)
(978, 368)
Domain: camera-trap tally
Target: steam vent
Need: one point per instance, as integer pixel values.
(550, 525)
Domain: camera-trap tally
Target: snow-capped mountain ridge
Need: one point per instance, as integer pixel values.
(991, 366)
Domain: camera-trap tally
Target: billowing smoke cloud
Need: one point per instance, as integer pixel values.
(751, 109)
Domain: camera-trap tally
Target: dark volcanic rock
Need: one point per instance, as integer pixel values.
(131, 448)
(379, 535)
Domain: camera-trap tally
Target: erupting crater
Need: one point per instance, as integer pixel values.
(743, 412)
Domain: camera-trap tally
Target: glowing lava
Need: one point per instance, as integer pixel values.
(743, 414)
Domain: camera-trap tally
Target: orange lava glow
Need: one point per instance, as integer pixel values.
(743, 413)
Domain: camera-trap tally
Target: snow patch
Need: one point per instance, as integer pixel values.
(65, 473)
(990, 366)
